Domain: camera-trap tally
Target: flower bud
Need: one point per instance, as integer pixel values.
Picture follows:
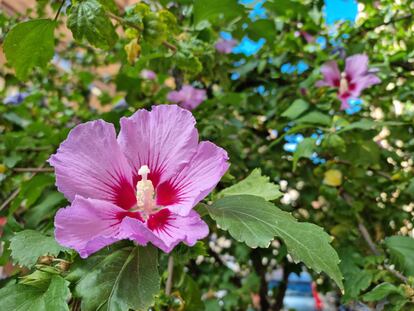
(45, 260)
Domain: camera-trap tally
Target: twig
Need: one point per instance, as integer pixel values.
(14, 194)
(260, 269)
(391, 21)
(168, 284)
(365, 234)
(378, 172)
(11, 197)
(33, 170)
(281, 292)
(137, 27)
(169, 46)
(367, 238)
(123, 21)
(59, 10)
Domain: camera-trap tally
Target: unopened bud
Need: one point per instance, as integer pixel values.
(45, 260)
(63, 265)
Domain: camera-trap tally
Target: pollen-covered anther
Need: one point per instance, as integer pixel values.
(145, 192)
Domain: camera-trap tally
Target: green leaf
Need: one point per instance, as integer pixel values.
(286, 7)
(367, 124)
(44, 210)
(214, 9)
(28, 245)
(305, 149)
(12, 160)
(298, 107)
(16, 119)
(30, 44)
(364, 124)
(110, 5)
(410, 188)
(19, 297)
(254, 184)
(364, 154)
(31, 190)
(124, 279)
(401, 249)
(190, 293)
(381, 291)
(315, 117)
(356, 279)
(256, 222)
(262, 28)
(183, 254)
(334, 141)
(88, 20)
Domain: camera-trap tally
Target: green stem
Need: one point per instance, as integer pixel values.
(168, 284)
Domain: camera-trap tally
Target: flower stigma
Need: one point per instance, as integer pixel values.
(145, 193)
(343, 86)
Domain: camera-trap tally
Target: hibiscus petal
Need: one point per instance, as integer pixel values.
(88, 225)
(355, 66)
(165, 139)
(364, 82)
(175, 97)
(90, 163)
(195, 181)
(344, 102)
(331, 74)
(137, 231)
(322, 83)
(172, 229)
(95, 245)
(165, 230)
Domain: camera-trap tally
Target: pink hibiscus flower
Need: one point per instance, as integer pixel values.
(225, 46)
(188, 97)
(148, 74)
(141, 185)
(352, 81)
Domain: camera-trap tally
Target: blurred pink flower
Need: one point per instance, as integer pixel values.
(352, 81)
(148, 74)
(308, 37)
(225, 46)
(188, 97)
(141, 185)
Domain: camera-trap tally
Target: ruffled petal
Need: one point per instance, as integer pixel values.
(195, 181)
(95, 245)
(193, 98)
(172, 229)
(364, 82)
(225, 46)
(90, 163)
(175, 97)
(344, 102)
(165, 230)
(322, 83)
(138, 231)
(88, 225)
(355, 66)
(331, 74)
(188, 97)
(165, 139)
